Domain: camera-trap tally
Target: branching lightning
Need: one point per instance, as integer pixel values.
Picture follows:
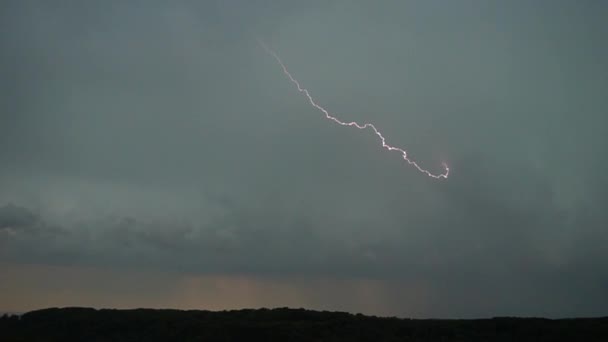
(353, 124)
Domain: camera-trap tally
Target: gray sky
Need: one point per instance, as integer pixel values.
(153, 155)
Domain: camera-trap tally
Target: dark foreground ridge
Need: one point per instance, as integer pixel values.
(84, 324)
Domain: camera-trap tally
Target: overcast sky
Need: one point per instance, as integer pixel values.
(152, 154)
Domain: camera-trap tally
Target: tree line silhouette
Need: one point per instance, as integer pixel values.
(284, 324)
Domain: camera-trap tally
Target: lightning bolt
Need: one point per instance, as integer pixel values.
(353, 123)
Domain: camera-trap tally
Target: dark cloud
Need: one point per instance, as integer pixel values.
(161, 136)
(14, 217)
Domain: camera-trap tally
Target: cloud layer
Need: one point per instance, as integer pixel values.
(160, 136)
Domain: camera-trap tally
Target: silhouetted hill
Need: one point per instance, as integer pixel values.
(84, 324)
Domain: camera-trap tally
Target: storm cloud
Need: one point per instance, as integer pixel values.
(160, 137)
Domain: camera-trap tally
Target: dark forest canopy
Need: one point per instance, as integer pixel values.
(86, 324)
